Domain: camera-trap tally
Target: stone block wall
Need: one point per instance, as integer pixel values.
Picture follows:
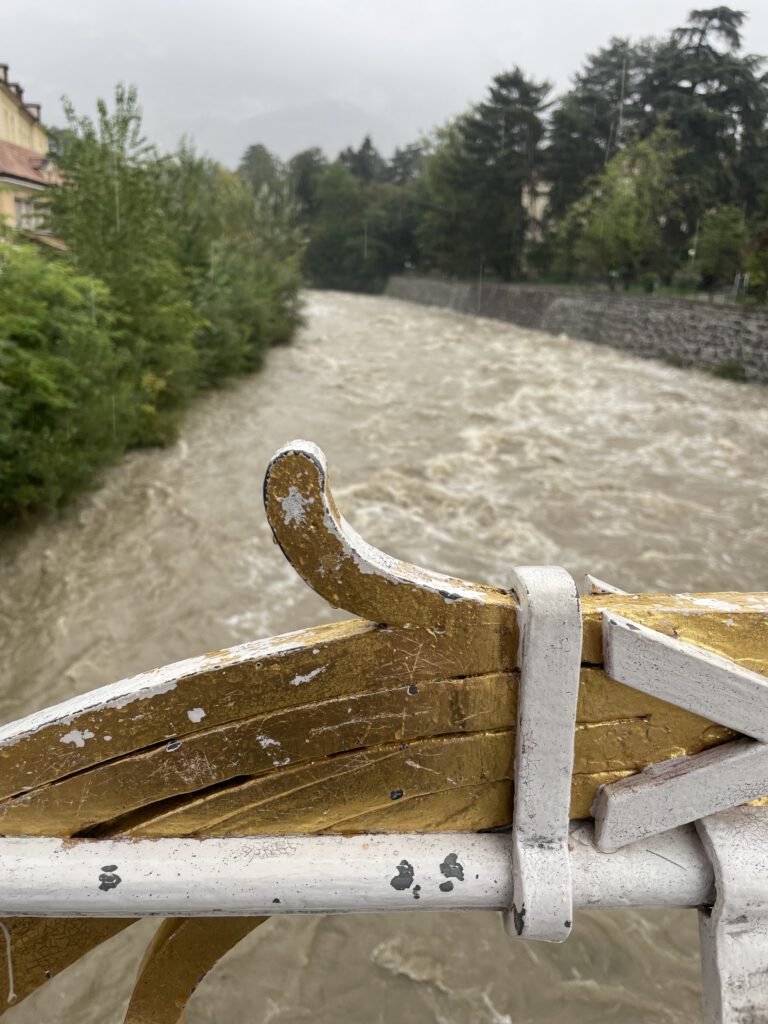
(728, 340)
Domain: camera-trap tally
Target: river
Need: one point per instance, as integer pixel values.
(461, 444)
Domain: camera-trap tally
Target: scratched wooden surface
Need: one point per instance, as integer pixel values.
(402, 719)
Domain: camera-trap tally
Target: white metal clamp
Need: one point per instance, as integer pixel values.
(707, 789)
(549, 624)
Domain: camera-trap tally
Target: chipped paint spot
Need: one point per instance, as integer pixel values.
(293, 506)
(451, 868)
(715, 604)
(267, 741)
(415, 764)
(108, 878)
(77, 737)
(196, 714)
(298, 680)
(281, 764)
(108, 739)
(446, 887)
(404, 877)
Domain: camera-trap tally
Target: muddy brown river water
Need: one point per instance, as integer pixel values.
(464, 445)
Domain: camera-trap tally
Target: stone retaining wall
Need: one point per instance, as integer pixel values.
(729, 340)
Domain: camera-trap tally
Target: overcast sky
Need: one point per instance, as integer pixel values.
(297, 73)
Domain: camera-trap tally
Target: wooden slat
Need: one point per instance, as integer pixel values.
(255, 678)
(181, 953)
(260, 746)
(41, 948)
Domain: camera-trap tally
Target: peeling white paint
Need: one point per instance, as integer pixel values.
(293, 506)
(77, 737)
(415, 764)
(196, 715)
(281, 764)
(715, 604)
(298, 680)
(149, 685)
(267, 741)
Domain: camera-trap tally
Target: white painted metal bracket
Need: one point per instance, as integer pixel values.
(682, 790)
(549, 622)
(734, 933)
(685, 675)
(595, 585)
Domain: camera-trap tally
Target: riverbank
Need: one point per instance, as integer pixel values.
(729, 342)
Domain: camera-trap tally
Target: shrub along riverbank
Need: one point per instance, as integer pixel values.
(176, 277)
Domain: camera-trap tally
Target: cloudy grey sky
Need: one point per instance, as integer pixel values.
(297, 73)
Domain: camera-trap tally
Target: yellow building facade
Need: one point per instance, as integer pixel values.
(25, 168)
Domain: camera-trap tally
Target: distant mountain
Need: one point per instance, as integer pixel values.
(330, 124)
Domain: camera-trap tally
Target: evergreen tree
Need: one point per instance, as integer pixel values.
(259, 169)
(338, 246)
(304, 173)
(365, 163)
(481, 178)
(716, 99)
(594, 120)
(405, 165)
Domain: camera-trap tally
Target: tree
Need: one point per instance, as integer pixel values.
(365, 163)
(406, 164)
(716, 99)
(260, 170)
(756, 260)
(304, 172)
(337, 252)
(720, 245)
(479, 177)
(616, 230)
(111, 211)
(239, 252)
(65, 400)
(594, 120)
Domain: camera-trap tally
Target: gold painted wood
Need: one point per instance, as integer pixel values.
(253, 679)
(41, 948)
(351, 574)
(400, 720)
(618, 729)
(730, 624)
(259, 746)
(181, 953)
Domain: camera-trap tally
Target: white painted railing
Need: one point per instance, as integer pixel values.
(270, 875)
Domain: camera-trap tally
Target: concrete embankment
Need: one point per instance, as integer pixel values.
(728, 341)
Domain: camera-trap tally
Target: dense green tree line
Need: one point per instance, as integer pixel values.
(177, 274)
(651, 170)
